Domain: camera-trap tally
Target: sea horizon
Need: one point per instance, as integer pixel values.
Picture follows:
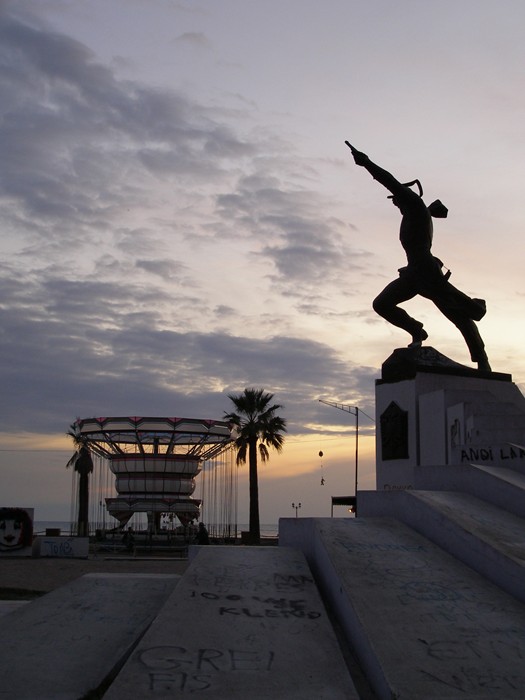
(66, 527)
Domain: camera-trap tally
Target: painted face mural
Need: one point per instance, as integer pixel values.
(16, 529)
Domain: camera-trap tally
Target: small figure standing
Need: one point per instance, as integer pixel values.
(202, 536)
(423, 274)
(128, 539)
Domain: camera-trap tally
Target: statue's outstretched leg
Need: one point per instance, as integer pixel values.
(470, 333)
(386, 305)
(475, 344)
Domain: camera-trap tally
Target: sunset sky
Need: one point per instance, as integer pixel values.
(181, 219)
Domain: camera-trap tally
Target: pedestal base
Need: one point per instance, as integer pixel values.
(431, 410)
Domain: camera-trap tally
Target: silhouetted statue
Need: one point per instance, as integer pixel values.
(424, 273)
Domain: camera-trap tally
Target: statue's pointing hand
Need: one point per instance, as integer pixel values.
(359, 158)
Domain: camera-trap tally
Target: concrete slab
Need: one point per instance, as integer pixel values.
(244, 622)
(7, 606)
(422, 624)
(487, 538)
(500, 486)
(67, 643)
(509, 475)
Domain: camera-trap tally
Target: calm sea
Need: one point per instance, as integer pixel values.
(40, 526)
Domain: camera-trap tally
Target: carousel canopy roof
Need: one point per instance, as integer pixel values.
(192, 437)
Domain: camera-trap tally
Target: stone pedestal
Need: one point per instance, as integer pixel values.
(433, 411)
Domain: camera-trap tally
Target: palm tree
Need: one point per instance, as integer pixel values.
(83, 464)
(257, 428)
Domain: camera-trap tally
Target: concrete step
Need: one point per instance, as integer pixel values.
(423, 624)
(500, 486)
(69, 642)
(487, 538)
(244, 622)
(8, 606)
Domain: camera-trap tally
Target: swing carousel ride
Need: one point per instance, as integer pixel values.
(155, 462)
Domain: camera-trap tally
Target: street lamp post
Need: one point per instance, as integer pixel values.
(296, 508)
(354, 410)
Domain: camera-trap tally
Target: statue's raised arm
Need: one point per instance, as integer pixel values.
(397, 188)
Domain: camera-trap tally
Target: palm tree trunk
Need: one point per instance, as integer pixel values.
(83, 505)
(255, 528)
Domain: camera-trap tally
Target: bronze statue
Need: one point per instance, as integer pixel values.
(423, 274)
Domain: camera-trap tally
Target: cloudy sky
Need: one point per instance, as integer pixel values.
(180, 217)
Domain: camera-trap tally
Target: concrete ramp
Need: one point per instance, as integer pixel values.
(487, 538)
(244, 622)
(423, 624)
(500, 486)
(71, 641)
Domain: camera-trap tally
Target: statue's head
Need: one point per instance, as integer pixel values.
(437, 209)
(396, 200)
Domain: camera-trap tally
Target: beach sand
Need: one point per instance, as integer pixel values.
(45, 574)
